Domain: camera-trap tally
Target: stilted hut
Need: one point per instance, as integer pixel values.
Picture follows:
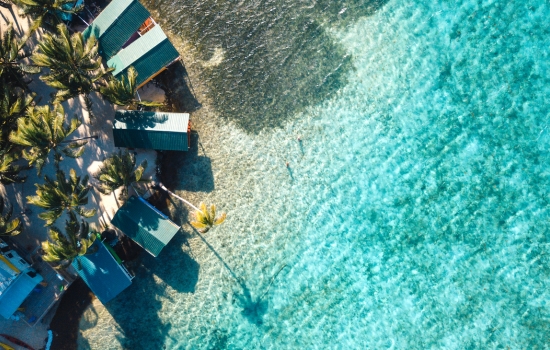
(103, 273)
(145, 225)
(117, 24)
(152, 130)
(150, 54)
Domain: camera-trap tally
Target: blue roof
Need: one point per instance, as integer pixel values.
(101, 272)
(17, 292)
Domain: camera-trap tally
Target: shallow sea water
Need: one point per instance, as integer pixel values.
(414, 214)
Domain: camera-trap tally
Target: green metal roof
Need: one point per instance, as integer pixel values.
(101, 272)
(116, 24)
(148, 54)
(145, 224)
(151, 130)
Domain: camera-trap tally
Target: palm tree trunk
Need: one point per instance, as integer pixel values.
(178, 197)
(95, 137)
(116, 199)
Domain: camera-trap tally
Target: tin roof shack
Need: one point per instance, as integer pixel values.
(152, 130)
(150, 54)
(17, 280)
(145, 225)
(102, 271)
(121, 21)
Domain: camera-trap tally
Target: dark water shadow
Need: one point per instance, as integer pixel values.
(187, 171)
(278, 57)
(252, 309)
(136, 309)
(176, 83)
(65, 323)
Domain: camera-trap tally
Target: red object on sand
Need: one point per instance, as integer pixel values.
(17, 341)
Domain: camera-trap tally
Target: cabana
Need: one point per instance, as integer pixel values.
(152, 130)
(149, 55)
(145, 225)
(116, 24)
(103, 273)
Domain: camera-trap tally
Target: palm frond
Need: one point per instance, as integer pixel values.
(43, 130)
(62, 194)
(119, 171)
(8, 226)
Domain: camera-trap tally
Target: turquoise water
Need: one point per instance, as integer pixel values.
(415, 211)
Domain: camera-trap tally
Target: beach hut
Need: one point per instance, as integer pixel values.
(119, 22)
(17, 280)
(151, 130)
(150, 54)
(145, 225)
(103, 273)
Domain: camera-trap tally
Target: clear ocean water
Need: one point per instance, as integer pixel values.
(415, 210)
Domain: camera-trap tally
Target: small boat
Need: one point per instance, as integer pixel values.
(17, 342)
(6, 347)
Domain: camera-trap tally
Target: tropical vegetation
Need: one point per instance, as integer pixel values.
(43, 130)
(47, 12)
(119, 170)
(8, 226)
(75, 67)
(205, 219)
(13, 105)
(12, 68)
(64, 248)
(32, 133)
(123, 91)
(9, 171)
(62, 195)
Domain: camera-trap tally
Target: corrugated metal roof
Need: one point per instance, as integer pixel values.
(101, 272)
(145, 225)
(148, 54)
(17, 292)
(151, 130)
(157, 121)
(116, 24)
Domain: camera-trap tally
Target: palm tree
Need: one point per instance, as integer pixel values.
(75, 66)
(122, 92)
(204, 219)
(46, 11)
(9, 172)
(8, 226)
(62, 195)
(119, 171)
(65, 248)
(13, 105)
(11, 53)
(44, 130)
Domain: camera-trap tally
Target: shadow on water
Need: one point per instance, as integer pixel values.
(187, 171)
(179, 92)
(266, 60)
(253, 309)
(154, 280)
